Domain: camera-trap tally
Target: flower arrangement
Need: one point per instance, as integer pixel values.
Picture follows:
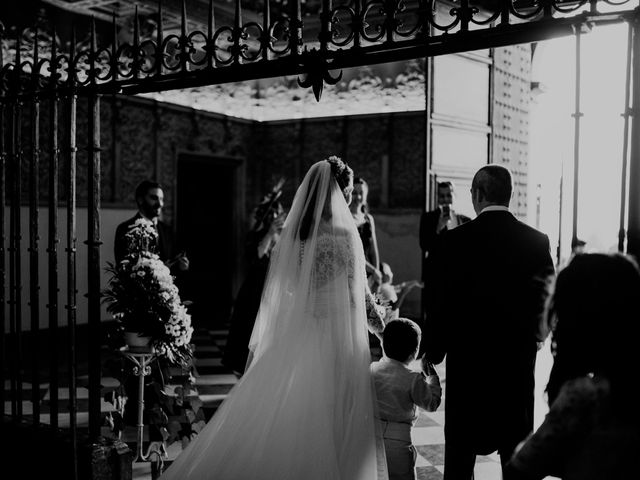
(143, 298)
(382, 307)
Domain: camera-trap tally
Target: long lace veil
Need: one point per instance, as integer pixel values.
(316, 281)
(304, 407)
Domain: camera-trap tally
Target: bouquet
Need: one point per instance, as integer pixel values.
(267, 205)
(382, 307)
(143, 298)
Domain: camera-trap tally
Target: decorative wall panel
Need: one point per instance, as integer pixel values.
(512, 96)
(136, 137)
(407, 160)
(368, 139)
(461, 83)
(457, 150)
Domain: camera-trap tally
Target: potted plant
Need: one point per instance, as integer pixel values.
(144, 300)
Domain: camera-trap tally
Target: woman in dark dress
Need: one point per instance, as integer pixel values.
(367, 230)
(269, 219)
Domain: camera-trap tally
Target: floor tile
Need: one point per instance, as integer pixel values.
(434, 454)
(213, 383)
(428, 473)
(428, 435)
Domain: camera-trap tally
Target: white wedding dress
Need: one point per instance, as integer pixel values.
(304, 409)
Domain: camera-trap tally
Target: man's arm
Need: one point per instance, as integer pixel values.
(175, 259)
(541, 290)
(434, 341)
(119, 243)
(428, 234)
(426, 391)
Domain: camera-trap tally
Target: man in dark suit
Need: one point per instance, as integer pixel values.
(150, 200)
(443, 218)
(486, 298)
(432, 224)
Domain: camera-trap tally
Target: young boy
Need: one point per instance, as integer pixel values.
(400, 391)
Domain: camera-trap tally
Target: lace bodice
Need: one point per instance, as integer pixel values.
(335, 256)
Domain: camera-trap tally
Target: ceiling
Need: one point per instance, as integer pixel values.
(197, 11)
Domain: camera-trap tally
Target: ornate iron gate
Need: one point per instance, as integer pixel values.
(314, 39)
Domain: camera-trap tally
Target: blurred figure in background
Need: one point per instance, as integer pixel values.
(443, 218)
(367, 230)
(269, 218)
(592, 430)
(394, 294)
(578, 246)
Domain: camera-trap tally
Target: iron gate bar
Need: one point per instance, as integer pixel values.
(12, 258)
(428, 136)
(577, 115)
(17, 233)
(3, 186)
(633, 227)
(34, 186)
(625, 141)
(93, 243)
(52, 243)
(560, 210)
(70, 180)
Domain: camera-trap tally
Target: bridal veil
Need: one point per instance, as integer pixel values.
(304, 409)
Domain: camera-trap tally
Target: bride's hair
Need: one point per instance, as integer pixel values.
(342, 172)
(343, 175)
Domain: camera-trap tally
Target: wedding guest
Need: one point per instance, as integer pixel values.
(432, 224)
(269, 218)
(149, 198)
(592, 430)
(486, 292)
(394, 294)
(400, 391)
(367, 230)
(304, 408)
(578, 246)
(442, 218)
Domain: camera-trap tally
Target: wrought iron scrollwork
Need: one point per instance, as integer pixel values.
(287, 37)
(318, 73)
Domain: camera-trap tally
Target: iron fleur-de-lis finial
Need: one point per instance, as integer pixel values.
(318, 72)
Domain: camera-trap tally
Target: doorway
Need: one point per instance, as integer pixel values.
(206, 229)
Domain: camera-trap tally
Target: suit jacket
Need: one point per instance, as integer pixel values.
(484, 303)
(428, 224)
(165, 247)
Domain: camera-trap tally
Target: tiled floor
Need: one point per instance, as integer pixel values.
(213, 382)
(428, 434)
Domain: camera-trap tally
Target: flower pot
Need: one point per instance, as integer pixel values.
(133, 339)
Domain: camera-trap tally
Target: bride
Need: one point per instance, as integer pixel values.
(304, 409)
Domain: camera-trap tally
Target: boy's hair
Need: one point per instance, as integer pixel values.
(400, 339)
